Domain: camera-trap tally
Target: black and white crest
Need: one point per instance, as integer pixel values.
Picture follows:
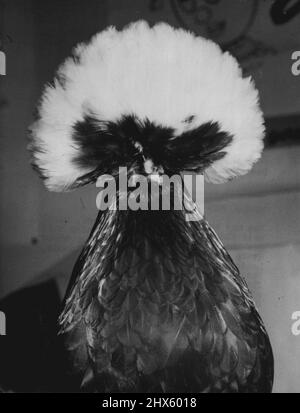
(177, 93)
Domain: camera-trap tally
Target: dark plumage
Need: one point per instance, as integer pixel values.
(104, 146)
(155, 303)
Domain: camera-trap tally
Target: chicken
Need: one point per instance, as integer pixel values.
(155, 302)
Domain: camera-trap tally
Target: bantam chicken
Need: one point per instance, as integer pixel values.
(155, 303)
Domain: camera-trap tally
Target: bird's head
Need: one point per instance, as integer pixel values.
(156, 100)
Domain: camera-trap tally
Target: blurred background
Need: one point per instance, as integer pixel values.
(256, 216)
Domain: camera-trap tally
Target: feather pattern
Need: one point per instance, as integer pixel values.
(163, 308)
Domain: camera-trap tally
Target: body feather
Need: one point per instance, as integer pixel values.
(163, 308)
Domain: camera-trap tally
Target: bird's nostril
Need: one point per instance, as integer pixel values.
(149, 166)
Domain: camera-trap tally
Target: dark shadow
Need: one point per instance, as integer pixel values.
(32, 356)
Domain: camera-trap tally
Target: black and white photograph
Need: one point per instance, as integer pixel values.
(149, 199)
